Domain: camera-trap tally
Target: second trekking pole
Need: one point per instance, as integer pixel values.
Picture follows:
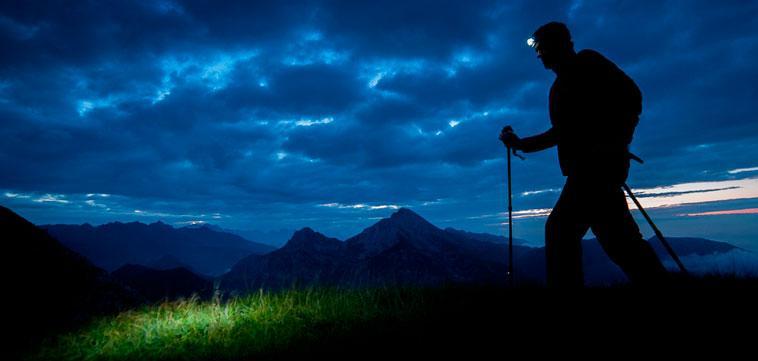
(657, 232)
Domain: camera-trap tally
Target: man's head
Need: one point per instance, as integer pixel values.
(553, 44)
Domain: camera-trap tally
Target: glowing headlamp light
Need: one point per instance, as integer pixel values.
(531, 42)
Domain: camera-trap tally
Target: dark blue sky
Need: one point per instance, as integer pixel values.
(333, 114)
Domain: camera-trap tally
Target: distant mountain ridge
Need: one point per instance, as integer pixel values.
(167, 262)
(155, 285)
(113, 245)
(486, 237)
(600, 270)
(275, 238)
(686, 246)
(406, 249)
(308, 258)
(402, 249)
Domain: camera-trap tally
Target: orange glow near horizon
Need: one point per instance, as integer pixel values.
(696, 192)
(724, 212)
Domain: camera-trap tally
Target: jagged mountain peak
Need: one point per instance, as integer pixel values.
(406, 220)
(407, 217)
(307, 238)
(160, 225)
(205, 226)
(406, 213)
(305, 231)
(384, 234)
(305, 235)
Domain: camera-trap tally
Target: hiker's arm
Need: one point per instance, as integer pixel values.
(538, 142)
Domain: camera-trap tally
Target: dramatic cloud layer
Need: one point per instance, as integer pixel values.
(269, 115)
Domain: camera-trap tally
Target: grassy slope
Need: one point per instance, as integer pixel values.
(391, 321)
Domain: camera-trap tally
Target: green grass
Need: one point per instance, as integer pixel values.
(388, 322)
(262, 324)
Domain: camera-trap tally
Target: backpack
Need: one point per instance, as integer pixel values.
(617, 94)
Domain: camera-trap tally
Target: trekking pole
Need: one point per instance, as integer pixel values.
(510, 218)
(656, 230)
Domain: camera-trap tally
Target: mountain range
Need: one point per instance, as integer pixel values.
(404, 249)
(486, 237)
(203, 249)
(600, 270)
(53, 288)
(408, 250)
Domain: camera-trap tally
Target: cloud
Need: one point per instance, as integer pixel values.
(697, 192)
(646, 194)
(261, 111)
(52, 198)
(742, 170)
(308, 122)
(738, 263)
(540, 191)
(360, 206)
(723, 212)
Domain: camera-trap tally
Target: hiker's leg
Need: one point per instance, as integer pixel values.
(619, 235)
(564, 230)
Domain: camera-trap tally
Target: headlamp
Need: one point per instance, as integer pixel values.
(531, 42)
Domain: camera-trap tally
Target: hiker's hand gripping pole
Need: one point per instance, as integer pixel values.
(511, 141)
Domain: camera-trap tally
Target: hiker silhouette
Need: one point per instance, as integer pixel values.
(594, 108)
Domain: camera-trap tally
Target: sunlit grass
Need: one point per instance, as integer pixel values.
(257, 324)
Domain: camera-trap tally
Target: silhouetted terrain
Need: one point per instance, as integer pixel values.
(465, 323)
(49, 287)
(485, 237)
(405, 249)
(687, 246)
(155, 285)
(600, 270)
(275, 238)
(112, 245)
(308, 258)
(167, 262)
(60, 289)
